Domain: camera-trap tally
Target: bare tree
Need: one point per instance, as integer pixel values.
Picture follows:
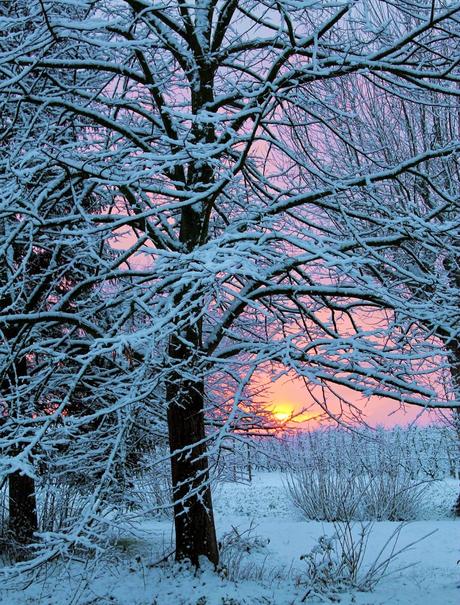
(427, 268)
(236, 260)
(39, 267)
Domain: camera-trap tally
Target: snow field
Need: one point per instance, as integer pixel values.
(263, 538)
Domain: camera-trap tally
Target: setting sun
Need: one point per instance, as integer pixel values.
(279, 415)
(290, 414)
(282, 412)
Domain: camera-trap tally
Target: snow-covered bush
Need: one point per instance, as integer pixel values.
(327, 496)
(331, 496)
(336, 475)
(391, 496)
(152, 492)
(235, 546)
(58, 505)
(337, 563)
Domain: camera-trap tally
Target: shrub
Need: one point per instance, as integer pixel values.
(337, 563)
(330, 495)
(58, 505)
(235, 546)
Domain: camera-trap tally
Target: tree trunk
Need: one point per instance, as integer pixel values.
(456, 417)
(193, 514)
(23, 521)
(457, 428)
(454, 349)
(22, 506)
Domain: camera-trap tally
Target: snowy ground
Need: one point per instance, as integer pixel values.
(270, 573)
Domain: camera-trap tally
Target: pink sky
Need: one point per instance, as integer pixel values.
(290, 396)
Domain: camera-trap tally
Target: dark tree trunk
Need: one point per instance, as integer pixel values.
(193, 514)
(456, 414)
(454, 349)
(22, 506)
(23, 521)
(452, 267)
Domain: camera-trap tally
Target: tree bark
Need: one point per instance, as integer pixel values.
(454, 348)
(23, 521)
(22, 506)
(193, 514)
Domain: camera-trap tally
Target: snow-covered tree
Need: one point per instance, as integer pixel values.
(42, 353)
(427, 268)
(235, 259)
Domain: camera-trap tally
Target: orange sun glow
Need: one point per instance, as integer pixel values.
(290, 415)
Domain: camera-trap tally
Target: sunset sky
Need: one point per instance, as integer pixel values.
(290, 397)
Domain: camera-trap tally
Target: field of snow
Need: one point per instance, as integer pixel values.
(263, 539)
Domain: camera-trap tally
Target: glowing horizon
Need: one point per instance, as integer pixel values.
(291, 404)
